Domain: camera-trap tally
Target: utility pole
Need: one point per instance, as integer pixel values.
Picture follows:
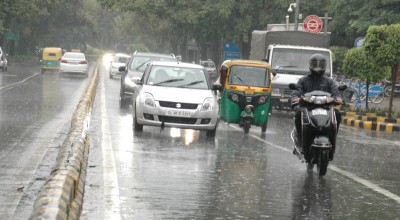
(296, 15)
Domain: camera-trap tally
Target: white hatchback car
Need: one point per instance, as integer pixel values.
(74, 62)
(120, 59)
(176, 94)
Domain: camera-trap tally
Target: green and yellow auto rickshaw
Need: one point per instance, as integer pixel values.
(50, 58)
(245, 95)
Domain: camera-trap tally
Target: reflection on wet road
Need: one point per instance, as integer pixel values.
(180, 174)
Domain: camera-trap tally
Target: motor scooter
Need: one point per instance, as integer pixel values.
(319, 129)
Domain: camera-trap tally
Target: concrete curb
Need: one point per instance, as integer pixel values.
(62, 194)
(370, 122)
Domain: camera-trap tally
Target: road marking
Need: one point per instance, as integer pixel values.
(20, 82)
(365, 183)
(112, 208)
(338, 170)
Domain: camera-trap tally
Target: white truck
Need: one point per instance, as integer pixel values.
(288, 52)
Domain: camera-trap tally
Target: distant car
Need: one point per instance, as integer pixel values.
(209, 65)
(119, 60)
(74, 62)
(134, 70)
(176, 94)
(3, 60)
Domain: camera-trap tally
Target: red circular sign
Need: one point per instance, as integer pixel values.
(312, 24)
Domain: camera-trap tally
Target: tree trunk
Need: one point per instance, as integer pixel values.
(394, 76)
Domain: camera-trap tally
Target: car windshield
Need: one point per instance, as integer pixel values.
(249, 76)
(181, 77)
(121, 59)
(139, 62)
(295, 61)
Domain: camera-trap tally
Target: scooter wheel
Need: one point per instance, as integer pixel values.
(246, 126)
(323, 161)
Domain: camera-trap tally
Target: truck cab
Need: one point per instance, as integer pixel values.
(289, 63)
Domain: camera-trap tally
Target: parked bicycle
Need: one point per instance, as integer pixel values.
(376, 93)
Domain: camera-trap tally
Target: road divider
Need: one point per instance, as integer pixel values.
(62, 194)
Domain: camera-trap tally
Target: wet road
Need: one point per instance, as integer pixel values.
(180, 174)
(35, 113)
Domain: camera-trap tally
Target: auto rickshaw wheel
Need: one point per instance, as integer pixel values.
(264, 127)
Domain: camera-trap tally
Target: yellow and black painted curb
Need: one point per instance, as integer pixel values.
(369, 121)
(61, 197)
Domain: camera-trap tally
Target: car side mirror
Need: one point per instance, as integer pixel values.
(216, 86)
(274, 73)
(137, 80)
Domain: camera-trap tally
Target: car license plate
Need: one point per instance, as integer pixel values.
(319, 112)
(178, 113)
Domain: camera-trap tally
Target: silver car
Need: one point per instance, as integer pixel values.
(119, 60)
(175, 94)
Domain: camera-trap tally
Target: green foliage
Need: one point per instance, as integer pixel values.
(360, 64)
(384, 42)
(338, 55)
(351, 19)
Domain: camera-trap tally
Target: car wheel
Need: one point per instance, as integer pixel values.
(211, 133)
(123, 102)
(136, 127)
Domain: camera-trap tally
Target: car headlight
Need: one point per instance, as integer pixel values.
(207, 104)
(262, 100)
(149, 100)
(128, 81)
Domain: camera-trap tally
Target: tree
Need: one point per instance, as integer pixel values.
(384, 43)
(358, 63)
(351, 19)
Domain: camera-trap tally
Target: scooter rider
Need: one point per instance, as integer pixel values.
(315, 80)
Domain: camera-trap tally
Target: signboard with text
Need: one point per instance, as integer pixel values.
(231, 51)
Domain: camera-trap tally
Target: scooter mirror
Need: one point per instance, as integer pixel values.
(342, 87)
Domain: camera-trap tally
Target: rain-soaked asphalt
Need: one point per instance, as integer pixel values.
(180, 174)
(35, 113)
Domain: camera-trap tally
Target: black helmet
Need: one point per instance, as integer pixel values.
(317, 64)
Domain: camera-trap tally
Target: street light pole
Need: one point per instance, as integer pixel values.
(296, 15)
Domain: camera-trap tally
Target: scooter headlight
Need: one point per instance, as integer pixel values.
(248, 109)
(235, 97)
(262, 100)
(149, 100)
